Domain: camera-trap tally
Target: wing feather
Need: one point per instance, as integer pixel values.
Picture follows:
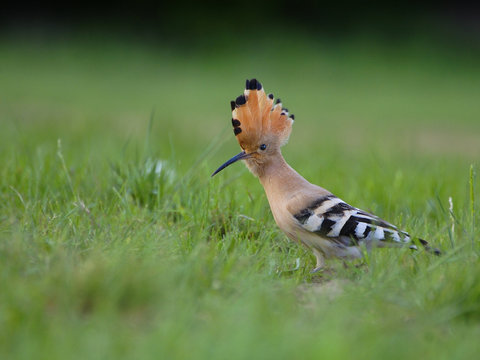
(334, 219)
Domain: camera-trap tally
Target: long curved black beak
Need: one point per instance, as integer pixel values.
(241, 156)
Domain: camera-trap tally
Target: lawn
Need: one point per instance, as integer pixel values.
(115, 243)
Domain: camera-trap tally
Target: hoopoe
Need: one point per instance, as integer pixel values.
(305, 212)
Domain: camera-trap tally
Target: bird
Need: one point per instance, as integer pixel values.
(305, 212)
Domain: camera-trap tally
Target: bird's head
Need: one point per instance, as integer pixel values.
(261, 127)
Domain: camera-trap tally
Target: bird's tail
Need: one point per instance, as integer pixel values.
(427, 247)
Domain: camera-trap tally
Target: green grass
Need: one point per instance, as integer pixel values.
(116, 243)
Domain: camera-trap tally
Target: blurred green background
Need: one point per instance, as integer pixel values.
(115, 241)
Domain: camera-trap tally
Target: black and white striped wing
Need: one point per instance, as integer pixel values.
(331, 217)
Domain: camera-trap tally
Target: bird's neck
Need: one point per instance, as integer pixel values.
(279, 179)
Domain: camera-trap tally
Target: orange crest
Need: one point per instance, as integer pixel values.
(255, 117)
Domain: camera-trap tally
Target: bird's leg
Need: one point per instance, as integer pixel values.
(320, 261)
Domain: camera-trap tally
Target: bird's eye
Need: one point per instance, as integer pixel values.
(263, 147)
